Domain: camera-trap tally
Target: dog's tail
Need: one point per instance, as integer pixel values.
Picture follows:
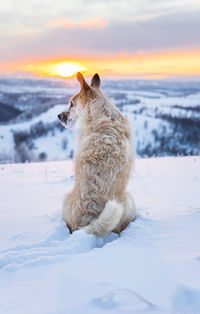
(107, 220)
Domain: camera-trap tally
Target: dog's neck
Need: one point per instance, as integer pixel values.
(101, 108)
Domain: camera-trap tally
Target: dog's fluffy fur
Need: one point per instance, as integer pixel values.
(99, 202)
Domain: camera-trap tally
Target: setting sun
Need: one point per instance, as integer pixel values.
(67, 69)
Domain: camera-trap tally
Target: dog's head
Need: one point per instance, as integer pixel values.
(80, 101)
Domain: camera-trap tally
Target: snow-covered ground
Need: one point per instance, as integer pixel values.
(152, 267)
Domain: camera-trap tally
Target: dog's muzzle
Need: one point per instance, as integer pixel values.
(64, 119)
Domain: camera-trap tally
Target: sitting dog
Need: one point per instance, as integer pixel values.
(99, 202)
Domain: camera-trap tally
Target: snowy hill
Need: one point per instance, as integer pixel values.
(152, 267)
(165, 117)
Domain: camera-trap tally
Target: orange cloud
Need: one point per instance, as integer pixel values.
(95, 22)
(89, 23)
(59, 23)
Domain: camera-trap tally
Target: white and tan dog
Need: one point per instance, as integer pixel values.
(99, 202)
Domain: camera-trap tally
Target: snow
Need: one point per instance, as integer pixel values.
(7, 130)
(152, 267)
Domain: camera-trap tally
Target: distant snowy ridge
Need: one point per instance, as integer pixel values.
(165, 117)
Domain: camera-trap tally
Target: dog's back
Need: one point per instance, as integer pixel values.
(102, 168)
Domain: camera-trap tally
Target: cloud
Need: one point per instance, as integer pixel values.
(59, 23)
(27, 16)
(96, 22)
(93, 37)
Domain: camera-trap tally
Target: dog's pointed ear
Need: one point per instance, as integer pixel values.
(96, 82)
(82, 81)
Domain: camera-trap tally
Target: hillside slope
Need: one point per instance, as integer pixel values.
(8, 112)
(152, 267)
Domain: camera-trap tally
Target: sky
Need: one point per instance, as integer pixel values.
(122, 38)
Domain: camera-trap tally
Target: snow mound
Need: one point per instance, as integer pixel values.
(152, 267)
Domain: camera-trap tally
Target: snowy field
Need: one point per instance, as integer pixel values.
(152, 267)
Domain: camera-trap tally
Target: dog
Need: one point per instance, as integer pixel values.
(98, 202)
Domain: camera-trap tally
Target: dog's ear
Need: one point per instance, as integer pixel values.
(96, 82)
(82, 81)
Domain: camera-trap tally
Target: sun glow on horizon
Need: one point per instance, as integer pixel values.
(66, 69)
(141, 65)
